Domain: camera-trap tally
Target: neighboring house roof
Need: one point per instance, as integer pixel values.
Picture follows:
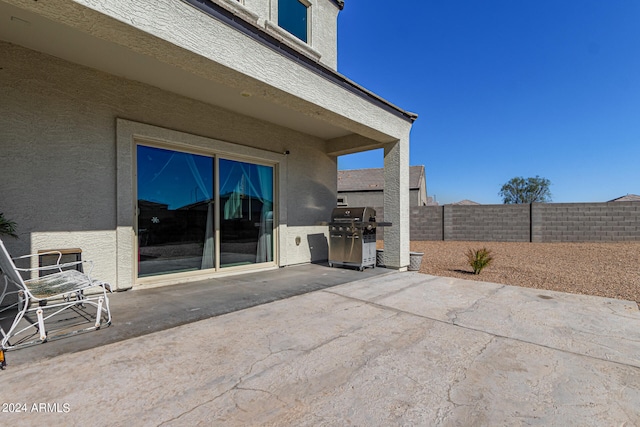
(466, 202)
(373, 179)
(627, 198)
(431, 201)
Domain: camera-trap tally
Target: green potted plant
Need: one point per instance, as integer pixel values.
(7, 227)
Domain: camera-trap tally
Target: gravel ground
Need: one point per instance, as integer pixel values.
(603, 269)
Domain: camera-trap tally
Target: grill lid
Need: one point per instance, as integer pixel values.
(365, 214)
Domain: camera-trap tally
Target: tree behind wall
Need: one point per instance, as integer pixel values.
(529, 190)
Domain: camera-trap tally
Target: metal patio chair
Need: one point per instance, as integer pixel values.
(51, 306)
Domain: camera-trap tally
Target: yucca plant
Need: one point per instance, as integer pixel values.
(7, 227)
(479, 259)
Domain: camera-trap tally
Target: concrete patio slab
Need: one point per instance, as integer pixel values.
(143, 311)
(399, 349)
(599, 327)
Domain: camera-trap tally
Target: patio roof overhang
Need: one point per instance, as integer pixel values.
(214, 57)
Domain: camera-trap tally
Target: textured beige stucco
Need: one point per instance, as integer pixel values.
(176, 34)
(62, 160)
(59, 157)
(396, 203)
(305, 244)
(323, 25)
(94, 245)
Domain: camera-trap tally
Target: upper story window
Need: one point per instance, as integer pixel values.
(293, 17)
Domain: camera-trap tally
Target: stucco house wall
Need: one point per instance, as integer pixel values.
(365, 187)
(82, 81)
(376, 198)
(58, 125)
(322, 29)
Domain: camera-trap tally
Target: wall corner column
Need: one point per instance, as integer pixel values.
(396, 204)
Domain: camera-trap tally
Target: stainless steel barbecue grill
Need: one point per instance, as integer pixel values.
(352, 237)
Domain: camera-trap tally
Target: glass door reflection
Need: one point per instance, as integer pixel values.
(175, 211)
(246, 213)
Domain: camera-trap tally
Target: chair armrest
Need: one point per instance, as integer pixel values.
(40, 254)
(58, 266)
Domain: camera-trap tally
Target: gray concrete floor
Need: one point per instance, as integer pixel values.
(386, 350)
(140, 312)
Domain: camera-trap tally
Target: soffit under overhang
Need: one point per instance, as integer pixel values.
(248, 96)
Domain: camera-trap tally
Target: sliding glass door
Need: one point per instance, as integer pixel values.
(246, 213)
(177, 219)
(175, 211)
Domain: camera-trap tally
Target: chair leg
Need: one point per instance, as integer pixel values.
(99, 313)
(80, 298)
(43, 332)
(4, 338)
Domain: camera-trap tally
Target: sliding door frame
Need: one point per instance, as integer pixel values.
(129, 136)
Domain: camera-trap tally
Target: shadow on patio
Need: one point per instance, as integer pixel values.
(144, 311)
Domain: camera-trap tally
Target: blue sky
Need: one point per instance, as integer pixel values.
(505, 88)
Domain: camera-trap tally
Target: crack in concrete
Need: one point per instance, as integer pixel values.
(453, 314)
(325, 342)
(622, 408)
(267, 392)
(617, 312)
(440, 417)
(456, 382)
(604, 335)
(470, 328)
(177, 417)
(243, 378)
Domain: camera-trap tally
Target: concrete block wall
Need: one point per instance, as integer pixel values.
(427, 223)
(540, 222)
(506, 223)
(584, 222)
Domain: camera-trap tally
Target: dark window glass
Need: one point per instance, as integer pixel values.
(175, 211)
(176, 216)
(292, 16)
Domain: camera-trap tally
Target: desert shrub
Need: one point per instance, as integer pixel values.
(479, 259)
